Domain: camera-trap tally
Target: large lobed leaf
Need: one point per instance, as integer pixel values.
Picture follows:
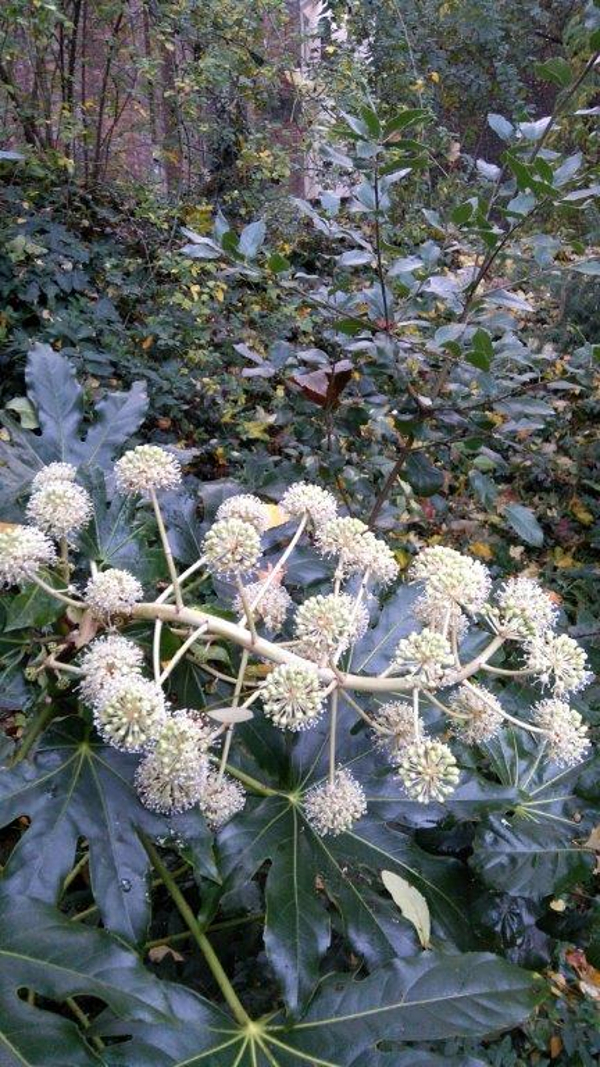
(160, 1024)
(76, 787)
(57, 397)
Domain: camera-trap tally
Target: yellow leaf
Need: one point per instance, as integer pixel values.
(563, 560)
(434, 77)
(481, 549)
(412, 904)
(147, 342)
(581, 513)
(277, 517)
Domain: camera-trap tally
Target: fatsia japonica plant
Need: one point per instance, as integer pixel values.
(266, 718)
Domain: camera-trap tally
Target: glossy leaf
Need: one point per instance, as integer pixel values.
(77, 787)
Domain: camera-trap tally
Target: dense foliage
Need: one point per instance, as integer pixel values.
(370, 265)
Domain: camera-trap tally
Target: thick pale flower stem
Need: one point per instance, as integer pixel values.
(276, 653)
(281, 562)
(178, 656)
(234, 703)
(210, 956)
(332, 735)
(415, 704)
(248, 608)
(56, 593)
(64, 559)
(167, 550)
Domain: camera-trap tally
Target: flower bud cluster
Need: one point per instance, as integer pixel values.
(57, 505)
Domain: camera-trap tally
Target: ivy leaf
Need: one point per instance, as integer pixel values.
(78, 787)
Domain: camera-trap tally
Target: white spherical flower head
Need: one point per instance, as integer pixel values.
(326, 625)
(303, 499)
(131, 714)
(335, 808)
(568, 740)
(246, 507)
(231, 547)
(60, 508)
(450, 576)
(145, 469)
(206, 729)
(24, 550)
(272, 607)
(424, 658)
(484, 711)
(522, 609)
(108, 660)
(560, 663)
(113, 592)
(398, 720)
(431, 613)
(428, 771)
(293, 697)
(220, 800)
(181, 742)
(357, 549)
(165, 792)
(53, 472)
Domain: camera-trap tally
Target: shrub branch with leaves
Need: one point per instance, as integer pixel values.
(324, 730)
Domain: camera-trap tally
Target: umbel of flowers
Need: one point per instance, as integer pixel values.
(184, 753)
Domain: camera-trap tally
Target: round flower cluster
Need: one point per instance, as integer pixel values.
(108, 660)
(24, 550)
(482, 713)
(271, 605)
(568, 739)
(292, 697)
(130, 713)
(333, 808)
(424, 657)
(428, 770)
(246, 507)
(303, 499)
(449, 619)
(112, 593)
(59, 507)
(559, 662)
(53, 472)
(172, 776)
(451, 577)
(328, 625)
(220, 799)
(232, 547)
(522, 609)
(147, 469)
(397, 719)
(357, 548)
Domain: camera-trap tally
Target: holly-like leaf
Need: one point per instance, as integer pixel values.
(76, 787)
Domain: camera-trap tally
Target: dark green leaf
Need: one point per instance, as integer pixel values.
(527, 858)
(77, 787)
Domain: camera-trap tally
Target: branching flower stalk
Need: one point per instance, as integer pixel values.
(309, 666)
